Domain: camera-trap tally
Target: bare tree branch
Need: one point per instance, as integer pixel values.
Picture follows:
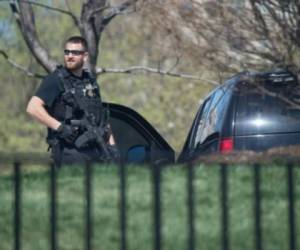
(24, 16)
(68, 5)
(90, 29)
(100, 71)
(117, 10)
(19, 67)
(95, 16)
(175, 64)
(252, 33)
(69, 13)
(96, 11)
(47, 7)
(134, 69)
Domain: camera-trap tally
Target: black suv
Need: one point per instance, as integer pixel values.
(251, 111)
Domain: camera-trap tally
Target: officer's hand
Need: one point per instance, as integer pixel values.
(67, 133)
(114, 152)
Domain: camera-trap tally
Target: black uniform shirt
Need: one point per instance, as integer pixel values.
(49, 89)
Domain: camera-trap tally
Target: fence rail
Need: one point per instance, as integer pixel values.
(17, 163)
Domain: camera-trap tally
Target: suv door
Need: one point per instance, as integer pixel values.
(136, 139)
(209, 124)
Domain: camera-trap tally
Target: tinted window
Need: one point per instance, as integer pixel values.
(211, 119)
(263, 109)
(218, 110)
(200, 123)
(131, 138)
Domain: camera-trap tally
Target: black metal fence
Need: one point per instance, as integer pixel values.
(157, 208)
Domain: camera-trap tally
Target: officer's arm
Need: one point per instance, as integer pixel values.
(36, 109)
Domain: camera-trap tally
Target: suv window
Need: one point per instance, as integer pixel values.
(263, 109)
(212, 115)
(201, 122)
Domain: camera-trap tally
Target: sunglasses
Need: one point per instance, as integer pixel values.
(74, 52)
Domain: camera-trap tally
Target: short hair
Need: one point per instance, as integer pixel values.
(78, 39)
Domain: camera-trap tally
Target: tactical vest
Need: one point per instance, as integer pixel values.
(78, 97)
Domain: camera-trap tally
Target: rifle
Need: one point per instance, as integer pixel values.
(92, 133)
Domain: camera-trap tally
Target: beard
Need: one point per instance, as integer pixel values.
(73, 64)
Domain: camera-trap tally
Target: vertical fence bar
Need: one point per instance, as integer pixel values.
(53, 206)
(156, 174)
(191, 206)
(88, 206)
(291, 207)
(257, 208)
(224, 206)
(123, 218)
(17, 206)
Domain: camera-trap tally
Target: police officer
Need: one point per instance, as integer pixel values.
(67, 94)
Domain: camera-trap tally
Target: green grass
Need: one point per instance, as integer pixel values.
(71, 205)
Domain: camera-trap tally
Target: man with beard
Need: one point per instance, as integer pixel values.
(69, 94)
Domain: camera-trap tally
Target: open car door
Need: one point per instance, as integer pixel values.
(136, 138)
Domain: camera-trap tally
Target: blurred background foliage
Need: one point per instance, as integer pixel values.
(166, 102)
(209, 39)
